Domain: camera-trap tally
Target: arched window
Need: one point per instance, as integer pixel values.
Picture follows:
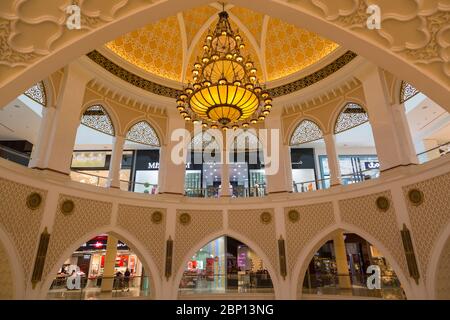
(226, 266)
(407, 92)
(95, 117)
(143, 133)
(307, 131)
(306, 144)
(355, 145)
(352, 116)
(37, 93)
(203, 140)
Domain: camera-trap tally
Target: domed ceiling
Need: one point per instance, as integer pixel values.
(169, 47)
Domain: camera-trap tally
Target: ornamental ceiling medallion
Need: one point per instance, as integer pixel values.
(225, 91)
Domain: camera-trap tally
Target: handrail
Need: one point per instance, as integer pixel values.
(15, 152)
(435, 148)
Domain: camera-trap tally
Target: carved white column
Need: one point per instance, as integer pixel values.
(110, 262)
(63, 131)
(389, 130)
(281, 180)
(171, 175)
(333, 159)
(40, 149)
(116, 162)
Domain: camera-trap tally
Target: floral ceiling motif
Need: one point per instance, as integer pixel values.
(414, 31)
(157, 48)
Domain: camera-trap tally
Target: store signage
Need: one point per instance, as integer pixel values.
(99, 243)
(371, 165)
(302, 158)
(88, 159)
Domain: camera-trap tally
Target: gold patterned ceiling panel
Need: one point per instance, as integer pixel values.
(249, 50)
(195, 18)
(198, 49)
(252, 20)
(290, 49)
(156, 48)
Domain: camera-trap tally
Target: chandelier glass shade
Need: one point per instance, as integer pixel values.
(225, 91)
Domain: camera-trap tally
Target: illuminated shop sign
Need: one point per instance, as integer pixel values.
(88, 159)
(99, 243)
(371, 165)
(302, 158)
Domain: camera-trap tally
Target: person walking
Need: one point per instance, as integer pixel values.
(127, 279)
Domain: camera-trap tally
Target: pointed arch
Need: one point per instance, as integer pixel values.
(351, 116)
(205, 139)
(142, 132)
(211, 237)
(306, 131)
(407, 91)
(37, 93)
(131, 241)
(96, 117)
(307, 253)
(18, 277)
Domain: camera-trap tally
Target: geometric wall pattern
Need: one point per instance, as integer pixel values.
(248, 223)
(429, 219)
(312, 220)
(364, 214)
(20, 223)
(138, 222)
(68, 230)
(443, 274)
(201, 225)
(6, 276)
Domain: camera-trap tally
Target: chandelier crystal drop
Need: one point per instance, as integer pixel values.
(225, 91)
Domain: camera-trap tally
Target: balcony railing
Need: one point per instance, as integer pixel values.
(235, 192)
(248, 282)
(90, 288)
(328, 284)
(434, 153)
(14, 156)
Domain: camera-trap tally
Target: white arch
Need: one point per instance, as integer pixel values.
(111, 113)
(121, 234)
(428, 83)
(314, 244)
(433, 265)
(272, 271)
(16, 268)
(152, 125)
(293, 128)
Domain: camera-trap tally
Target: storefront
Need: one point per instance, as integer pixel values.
(89, 262)
(304, 175)
(138, 173)
(204, 175)
(322, 271)
(222, 265)
(354, 168)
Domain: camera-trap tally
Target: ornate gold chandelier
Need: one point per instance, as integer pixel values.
(225, 91)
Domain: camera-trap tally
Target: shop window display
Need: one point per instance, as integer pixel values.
(322, 276)
(82, 274)
(225, 265)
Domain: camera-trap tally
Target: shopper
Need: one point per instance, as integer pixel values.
(119, 283)
(127, 280)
